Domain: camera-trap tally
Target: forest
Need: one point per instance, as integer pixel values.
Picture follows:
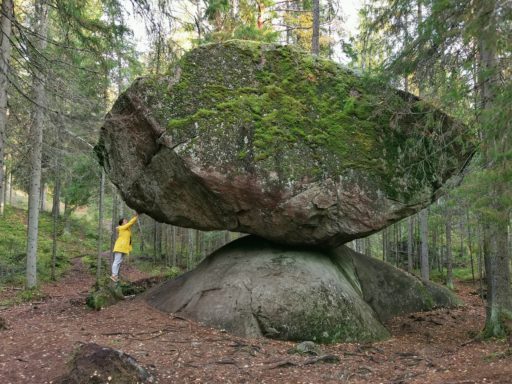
(440, 153)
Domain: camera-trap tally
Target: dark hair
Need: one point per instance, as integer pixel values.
(121, 221)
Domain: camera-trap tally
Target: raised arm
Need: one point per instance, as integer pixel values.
(130, 223)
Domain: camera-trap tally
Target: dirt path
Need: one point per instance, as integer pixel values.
(429, 347)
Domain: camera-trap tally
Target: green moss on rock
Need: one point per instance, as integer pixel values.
(301, 116)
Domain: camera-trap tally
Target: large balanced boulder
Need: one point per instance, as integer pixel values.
(272, 141)
(252, 288)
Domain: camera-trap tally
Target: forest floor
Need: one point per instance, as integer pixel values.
(427, 347)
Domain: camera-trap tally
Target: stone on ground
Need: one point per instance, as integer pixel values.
(95, 364)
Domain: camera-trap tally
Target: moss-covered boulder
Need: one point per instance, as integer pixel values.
(252, 288)
(272, 141)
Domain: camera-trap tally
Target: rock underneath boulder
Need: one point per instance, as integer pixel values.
(269, 140)
(94, 364)
(252, 288)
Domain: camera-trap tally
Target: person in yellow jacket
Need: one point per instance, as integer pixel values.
(123, 244)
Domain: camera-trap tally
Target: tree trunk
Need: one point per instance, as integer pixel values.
(36, 139)
(288, 28)
(449, 269)
(157, 241)
(10, 187)
(480, 260)
(100, 225)
(5, 55)
(315, 40)
(42, 200)
(409, 244)
(3, 197)
(497, 261)
(424, 267)
(497, 266)
(115, 222)
(174, 253)
(397, 243)
(55, 206)
(470, 245)
(141, 235)
(190, 263)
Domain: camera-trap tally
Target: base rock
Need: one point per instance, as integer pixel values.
(252, 288)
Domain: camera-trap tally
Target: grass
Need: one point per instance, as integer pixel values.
(157, 270)
(81, 240)
(461, 274)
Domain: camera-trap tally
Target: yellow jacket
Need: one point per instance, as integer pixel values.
(123, 242)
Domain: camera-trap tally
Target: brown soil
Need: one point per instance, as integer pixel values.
(429, 347)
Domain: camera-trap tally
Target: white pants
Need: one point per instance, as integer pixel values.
(118, 259)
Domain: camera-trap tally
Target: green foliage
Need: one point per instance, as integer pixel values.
(107, 293)
(158, 270)
(81, 182)
(461, 274)
(13, 245)
(29, 295)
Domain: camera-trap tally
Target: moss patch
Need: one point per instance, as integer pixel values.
(245, 106)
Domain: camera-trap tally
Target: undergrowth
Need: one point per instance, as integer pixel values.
(80, 240)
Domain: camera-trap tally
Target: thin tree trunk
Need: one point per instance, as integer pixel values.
(174, 253)
(288, 29)
(449, 269)
(5, 55)
(10, 188)
(424, 267)
(100, 225)
(42, 200)
(141, 235)
(479, 261)
(190, 249)
(434, 252)
(56, 206)
(315, 40)
(3, 196)
(397, 243)
(36, 138)
(367, 246)
(198, 246)
(461, 228)
(409, 244)
(115, 222)
(157, 241)
(470, 245)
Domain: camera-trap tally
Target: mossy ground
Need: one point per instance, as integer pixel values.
(276, 109)
(13, 227)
